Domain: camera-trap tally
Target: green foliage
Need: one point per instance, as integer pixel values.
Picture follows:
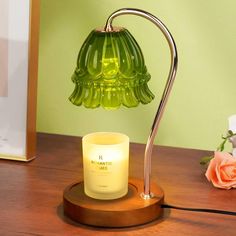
(205, 160)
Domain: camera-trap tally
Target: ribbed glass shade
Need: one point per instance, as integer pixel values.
(110, 72)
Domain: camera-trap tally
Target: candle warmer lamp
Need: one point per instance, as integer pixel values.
(111, 72)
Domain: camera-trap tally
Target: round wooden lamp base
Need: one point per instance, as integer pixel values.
(129, 210)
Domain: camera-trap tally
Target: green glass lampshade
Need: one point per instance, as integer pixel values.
(110, 72)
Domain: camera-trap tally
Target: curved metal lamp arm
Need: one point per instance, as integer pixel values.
(173, 68)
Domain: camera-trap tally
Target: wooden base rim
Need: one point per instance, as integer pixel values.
(129, 210)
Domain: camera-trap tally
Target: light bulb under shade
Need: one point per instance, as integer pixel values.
(110, 72)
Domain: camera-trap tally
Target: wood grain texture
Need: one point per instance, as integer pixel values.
(31, 193)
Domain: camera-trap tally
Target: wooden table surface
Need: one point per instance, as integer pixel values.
(31, 193)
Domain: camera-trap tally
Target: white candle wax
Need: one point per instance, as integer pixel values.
(105, 163)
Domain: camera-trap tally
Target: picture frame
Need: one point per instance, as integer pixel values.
(19, 41)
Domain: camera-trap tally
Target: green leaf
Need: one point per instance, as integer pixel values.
(221, 147)
(205, 160)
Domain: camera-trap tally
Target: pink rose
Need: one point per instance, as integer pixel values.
(222, 170)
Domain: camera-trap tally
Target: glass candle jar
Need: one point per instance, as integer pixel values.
(105, 165)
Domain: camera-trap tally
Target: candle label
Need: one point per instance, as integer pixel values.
(100, 164)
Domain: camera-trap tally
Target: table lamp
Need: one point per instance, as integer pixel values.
(111, 72)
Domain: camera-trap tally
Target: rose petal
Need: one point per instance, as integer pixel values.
(222, 171)
(229, 171)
